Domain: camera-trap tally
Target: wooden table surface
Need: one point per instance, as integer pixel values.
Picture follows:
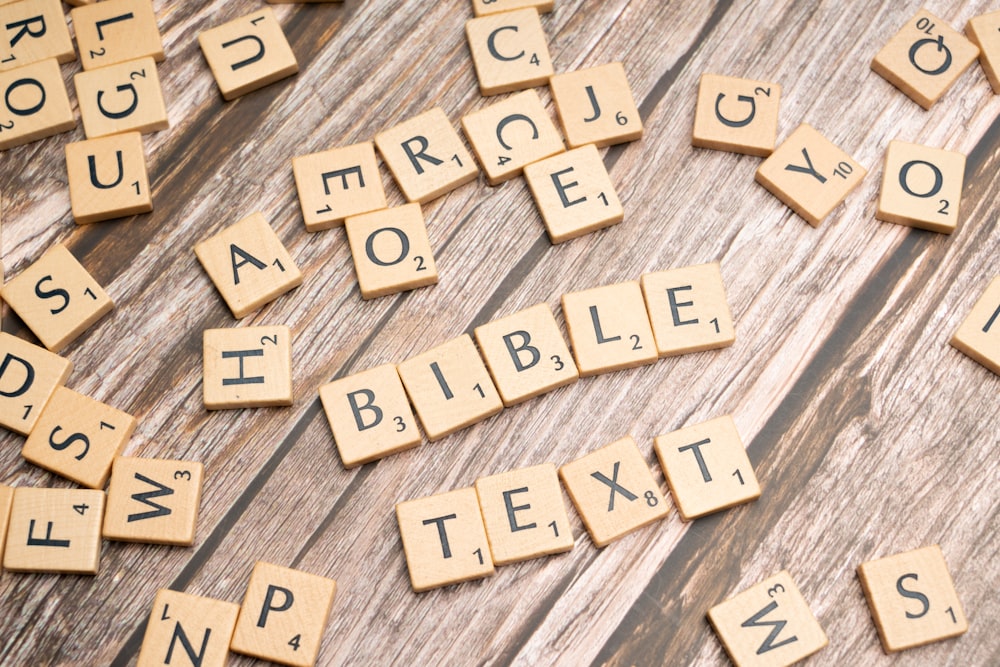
(869, 433)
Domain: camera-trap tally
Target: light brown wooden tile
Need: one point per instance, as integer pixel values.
(524, 514)
(6, 499)
(54, 530)
(391, 251)
(283, 615)
(925, 58)
(596, 106)
(29, 375)
(511, 134)
(736, 115)
(35, 104)
(984, 32)
(809, 174)
(247, 367)
(574, 193)
(509, 51)
(979, 334)
(116, 31)
(121, 98)
(768, 625)
(426, 156)
(444, 539)
(338, 183)
(921, 187)
(78, 438)
(288, 2)
(369, 415)
(609, 328)
(688, 309)
(154, 501)
(57, 298)
(485, 7)
(248, 264)
(33, 30)
(107, 178)
(188, 629)
(526, 354)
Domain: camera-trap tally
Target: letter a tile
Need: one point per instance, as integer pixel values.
(121, 98)
(54, 530)
(29, 375)
(509, 50)
(979, 334)
(338, 183)
(921, 187)
(34, 104)
(984, 31)
(738, 115)
(115, 31)
(391, 251)
(107, 178)
(688, 309)
(154, 501)
(188, 627)
(247, 367)
(34, 30)
(596, 106)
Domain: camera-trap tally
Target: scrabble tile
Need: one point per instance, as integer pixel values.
(33, 30)
(54, 530)
(485, 7)
(116, 31)
(979, 334)
(107, 178)
(509, 51)
(283, 615)
(444, 539)
(449, 387)
(768, 625)
(809, 174)
(524, 514)
(288, 2)
(248, 264)
(29, 375)
(984, 32)
(35, 104)
(369, 415)
(78, 437)
(608, 328)
(248, 53)
(526, 354)
(706, 467)
(426, 156)
(247, 367)
(194, 629)
(121, 98)
(154, 501)
(736, 115)
(688, 310)
(57, 298)
(912, 599)
(921, 187)
(338, 183)
(6, 499)
(574, 193)
(613, 491)
(391, 250)
(511, 134)
(925, 58)
(596, 106)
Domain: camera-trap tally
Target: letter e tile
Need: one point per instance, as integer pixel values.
(688, 309)
(338, 183)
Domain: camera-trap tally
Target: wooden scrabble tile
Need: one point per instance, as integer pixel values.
(289, 2)
(426, 156)
(608, 328)
(737, 115)
(768, 625)
(809, 174)
(526, 354)
(54, 530)
(524, 514)
(912, 599)
(107, 178)
(248, 264)
(574, 193)
(197, 630)
(154, 501)
(484, 7)
(984, 32)
(444, 539)
(596, 106)
(247, 367)
(706, 467)
(511, 134)
(688, 310)
(29, 375)
(369, 415)
(78, 437)
(921, 187)
(6, 499)
(613, 491)
(449, 387)
(391, 250)
(121, 98)
(57, 298)
(338, 183)
(35, 104)
(248, 53)
(33, 30)
(283, 615)
(116, 31)
(925, 58)
(509, 51)
(979, 334)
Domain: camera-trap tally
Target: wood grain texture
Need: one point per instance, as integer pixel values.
(870, 435)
